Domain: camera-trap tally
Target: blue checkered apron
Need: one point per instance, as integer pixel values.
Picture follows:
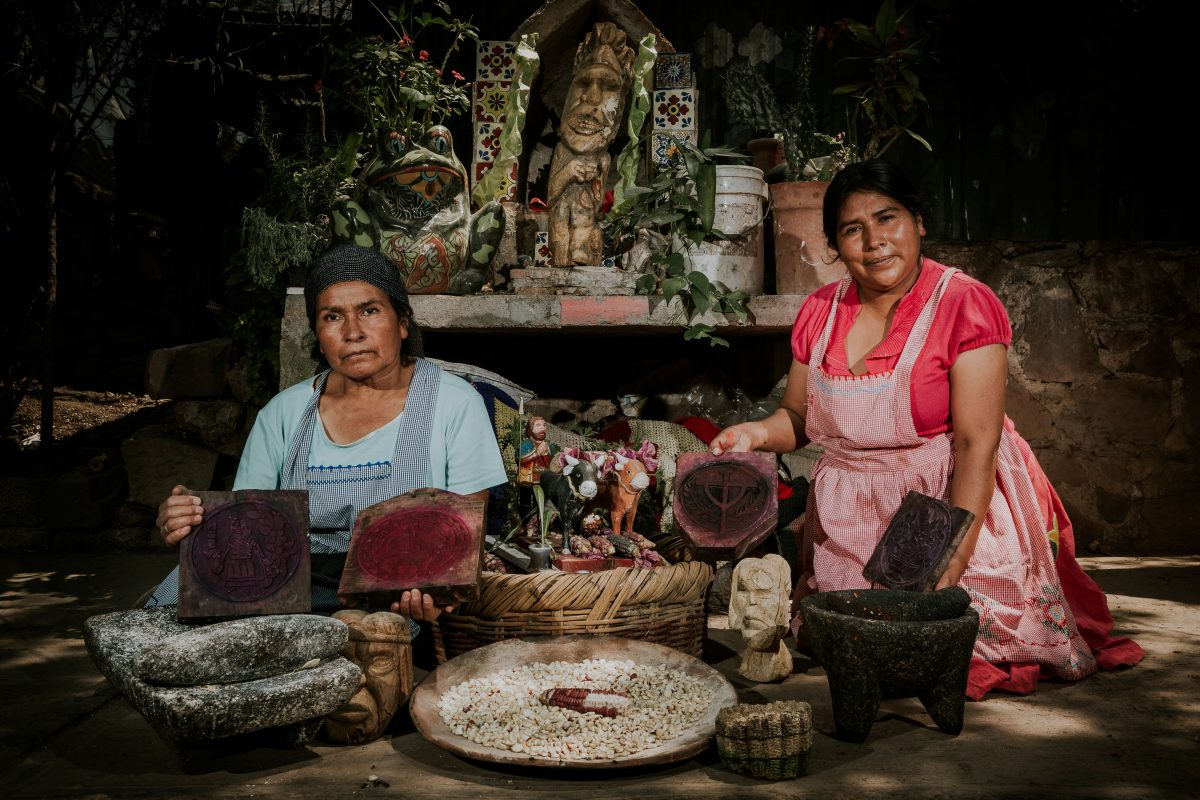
(337, 494)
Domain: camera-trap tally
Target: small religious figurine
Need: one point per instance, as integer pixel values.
(592, 113)
(759, 606)
(381, 645)
(533, 458)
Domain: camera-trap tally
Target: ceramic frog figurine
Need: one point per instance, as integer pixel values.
(412, 204)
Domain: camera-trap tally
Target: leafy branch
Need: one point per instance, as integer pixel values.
(673, 216)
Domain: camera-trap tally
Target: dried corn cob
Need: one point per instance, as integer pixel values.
(641, 541)
(605, 702)
(624, 545)
(602, 544)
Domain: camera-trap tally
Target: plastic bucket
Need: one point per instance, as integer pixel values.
(737, 263)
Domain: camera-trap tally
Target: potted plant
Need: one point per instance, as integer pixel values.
(666, 229)
(541, 553)
(885, 101)
(808, 154)
(884, 89)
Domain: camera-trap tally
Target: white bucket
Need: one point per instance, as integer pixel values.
(738, 262)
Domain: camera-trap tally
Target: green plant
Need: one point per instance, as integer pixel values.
(393, 83)
(675, 214)
(539, 495)
(752, 100)
(885, 90)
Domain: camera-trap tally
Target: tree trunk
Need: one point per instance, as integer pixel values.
(46, 445)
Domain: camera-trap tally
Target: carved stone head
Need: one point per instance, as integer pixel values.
(381, 645)
(760, 601)
(596, 99)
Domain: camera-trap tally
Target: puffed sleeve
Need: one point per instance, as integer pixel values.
(981, 319)
(473, 460)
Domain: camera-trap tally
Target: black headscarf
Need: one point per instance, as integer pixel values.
(349, 262)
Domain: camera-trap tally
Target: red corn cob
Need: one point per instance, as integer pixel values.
(605, 702)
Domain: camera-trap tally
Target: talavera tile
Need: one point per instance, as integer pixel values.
(664, 145)
(490, 100)
(673, 71)
(674, 109)
(494, 60)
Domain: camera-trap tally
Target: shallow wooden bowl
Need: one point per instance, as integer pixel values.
(423, 705)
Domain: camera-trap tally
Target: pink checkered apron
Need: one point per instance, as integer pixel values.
(873, 456)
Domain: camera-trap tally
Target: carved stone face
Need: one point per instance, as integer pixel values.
(759, 603)
(592, 110)
(380, 644)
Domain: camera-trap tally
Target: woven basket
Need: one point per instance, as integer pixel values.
(664, 605)
(765, 740)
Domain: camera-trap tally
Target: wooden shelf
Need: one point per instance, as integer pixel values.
(501, 313)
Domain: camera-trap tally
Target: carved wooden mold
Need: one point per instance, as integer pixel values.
(427, 539)
(918, 543)
(249, 556)
(725, 505)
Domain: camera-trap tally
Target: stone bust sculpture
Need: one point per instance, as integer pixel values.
(592, 113)
(381, 646)
(759, 606)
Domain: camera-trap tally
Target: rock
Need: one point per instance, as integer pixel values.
(197, 717)
(240, 650)
(1060, 345)
(295, 341)
(158, 457)
(190, 370)
(83, 498)
(220, 424)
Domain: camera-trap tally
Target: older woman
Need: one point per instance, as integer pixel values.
(377, 422)
(898, 374)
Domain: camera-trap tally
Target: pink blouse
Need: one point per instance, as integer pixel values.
(969, 316)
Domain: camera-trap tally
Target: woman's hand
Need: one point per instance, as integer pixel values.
(954, 570)
(738, 438)
(780, 432)
(178, 515)
(417, 605)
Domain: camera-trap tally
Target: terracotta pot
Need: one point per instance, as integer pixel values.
(803, 261)
(766, 152)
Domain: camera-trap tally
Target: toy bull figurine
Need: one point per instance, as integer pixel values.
(626, 482)
(570, 490)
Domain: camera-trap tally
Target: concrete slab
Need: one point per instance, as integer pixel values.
(1128, 734)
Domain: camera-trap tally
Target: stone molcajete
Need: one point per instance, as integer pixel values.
(412, 205)
(261, 681)
(881, 643)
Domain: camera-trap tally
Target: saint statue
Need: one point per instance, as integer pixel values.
(591, 116)
(760, 607)
(533, 458)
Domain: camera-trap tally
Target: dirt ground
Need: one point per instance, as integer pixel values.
(87, 423)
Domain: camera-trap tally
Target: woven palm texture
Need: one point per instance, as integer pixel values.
(664, 605)
(765, 740)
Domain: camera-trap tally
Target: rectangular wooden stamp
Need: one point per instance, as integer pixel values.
(725, 505)
(249, 557)
(918, 543)
(427, 539)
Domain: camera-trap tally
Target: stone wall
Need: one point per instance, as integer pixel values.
(1105, 380)
(1104, 384)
